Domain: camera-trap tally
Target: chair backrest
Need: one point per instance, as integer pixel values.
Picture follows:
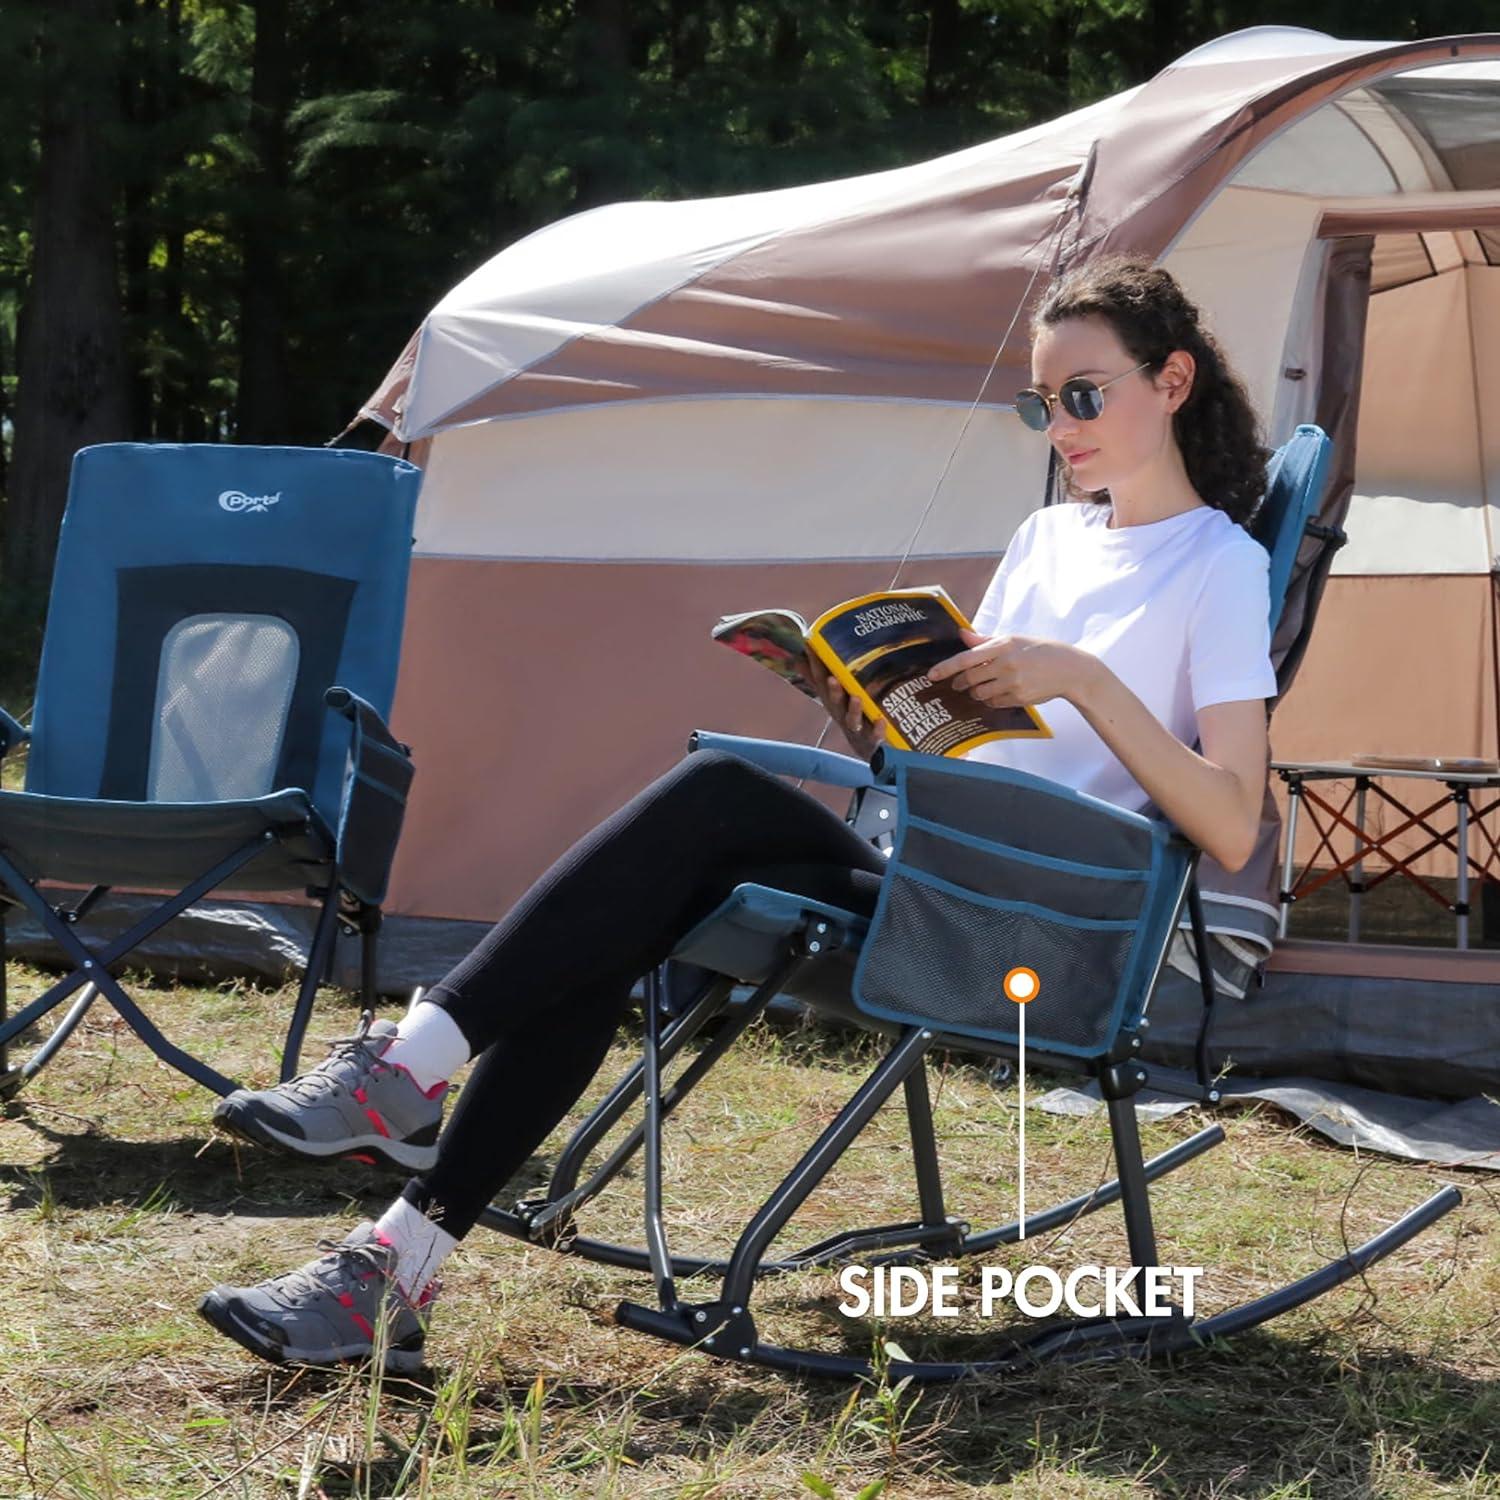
(1295, 477)
(204, 598)
(996, 869)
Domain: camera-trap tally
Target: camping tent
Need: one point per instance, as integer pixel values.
(648, 415)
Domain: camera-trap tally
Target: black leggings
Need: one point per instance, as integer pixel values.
(543, 994)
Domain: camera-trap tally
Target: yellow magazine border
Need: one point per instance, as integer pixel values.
(851, 685)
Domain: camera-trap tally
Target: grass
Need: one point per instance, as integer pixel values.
(120, 1208)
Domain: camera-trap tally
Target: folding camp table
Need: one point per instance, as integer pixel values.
(1460, 786)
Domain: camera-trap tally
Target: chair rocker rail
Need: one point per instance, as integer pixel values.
(705, 1325)
(1073, 1342)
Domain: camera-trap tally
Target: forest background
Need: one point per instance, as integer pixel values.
(220, 220)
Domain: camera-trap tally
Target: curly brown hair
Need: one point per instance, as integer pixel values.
(1216, 428)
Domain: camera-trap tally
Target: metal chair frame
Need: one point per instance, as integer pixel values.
(147, 511)
(808, 965)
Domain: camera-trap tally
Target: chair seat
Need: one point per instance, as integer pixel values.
(164, 845)
(747, 935)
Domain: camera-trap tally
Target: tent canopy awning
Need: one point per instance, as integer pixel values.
(902, 284)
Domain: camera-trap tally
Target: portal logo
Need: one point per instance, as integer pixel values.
(236, 501)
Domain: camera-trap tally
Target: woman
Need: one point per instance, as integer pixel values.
(1139, 616)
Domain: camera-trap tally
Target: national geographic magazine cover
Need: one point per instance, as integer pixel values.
(879, 647)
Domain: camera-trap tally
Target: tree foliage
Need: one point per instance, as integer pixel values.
(291, 183)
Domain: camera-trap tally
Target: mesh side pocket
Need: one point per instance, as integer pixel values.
(937, 959)
(990, 871)
(1028, 816)
(377, 779)
(223, 690)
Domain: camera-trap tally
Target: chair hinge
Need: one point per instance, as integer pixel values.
(727, 1331)
(1121, 1080)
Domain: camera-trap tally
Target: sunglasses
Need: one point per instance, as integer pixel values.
(1078, 397)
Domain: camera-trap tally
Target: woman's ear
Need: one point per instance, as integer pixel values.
(1176, 377)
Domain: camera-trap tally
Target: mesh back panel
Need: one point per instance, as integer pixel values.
(223, 690)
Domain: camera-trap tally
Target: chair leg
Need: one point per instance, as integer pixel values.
(91, 965)
(610, 1109)
(549, 1220)
(924, 1152)
(8, 1085)
(1135, 1193)
(656, 1237)
(319, 956)
(905, 1055)
(60, 1033)
(1206, 982)
(369, 954)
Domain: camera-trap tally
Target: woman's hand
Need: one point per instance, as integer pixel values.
(1016, 670)
(864, 736)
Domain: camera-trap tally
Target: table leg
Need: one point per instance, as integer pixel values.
(1461, 798)
(1357, 885)
(1294, 798)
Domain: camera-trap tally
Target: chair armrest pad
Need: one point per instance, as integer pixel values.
(12, 733)
(357, 711)
(806, 761)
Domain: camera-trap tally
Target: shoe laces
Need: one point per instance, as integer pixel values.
(325, 1078)
(339, 1260)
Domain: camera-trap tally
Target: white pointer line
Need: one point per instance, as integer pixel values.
(1021, 1074)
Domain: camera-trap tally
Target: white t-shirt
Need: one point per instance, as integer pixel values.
(1178, 610)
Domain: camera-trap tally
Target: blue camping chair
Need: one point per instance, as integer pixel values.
(221, 648)
(991, 868)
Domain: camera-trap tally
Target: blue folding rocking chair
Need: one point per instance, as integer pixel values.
(991, 869)
(220, 654)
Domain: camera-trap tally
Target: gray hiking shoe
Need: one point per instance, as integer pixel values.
(329, 1310)
(352, 1103)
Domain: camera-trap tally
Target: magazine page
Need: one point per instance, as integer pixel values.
(776, 638)
(880, 647)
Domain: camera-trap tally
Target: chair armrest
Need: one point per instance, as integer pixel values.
(376, 784)
(12, 733)
(806, 761)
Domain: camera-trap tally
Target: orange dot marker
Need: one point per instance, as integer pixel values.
(1022, 986)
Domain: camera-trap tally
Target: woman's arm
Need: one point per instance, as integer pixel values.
(1215, 798)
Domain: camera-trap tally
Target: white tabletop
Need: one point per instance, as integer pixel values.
(1321, 770)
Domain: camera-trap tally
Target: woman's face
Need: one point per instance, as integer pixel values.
(1134, 431)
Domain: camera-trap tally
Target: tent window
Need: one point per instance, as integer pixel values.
(1399, 259)
(1459, 119)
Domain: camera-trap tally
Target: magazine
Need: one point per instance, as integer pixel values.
(879, 648)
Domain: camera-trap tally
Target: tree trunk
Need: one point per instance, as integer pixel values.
(1058, 61)
(687, 39)
(141, 109)
(942, 51)
(73, 387)
(603, 58)
(263, 411)
(786, 66)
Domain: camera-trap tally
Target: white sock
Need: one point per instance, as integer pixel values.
(428, 1045)
(421, 1245)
